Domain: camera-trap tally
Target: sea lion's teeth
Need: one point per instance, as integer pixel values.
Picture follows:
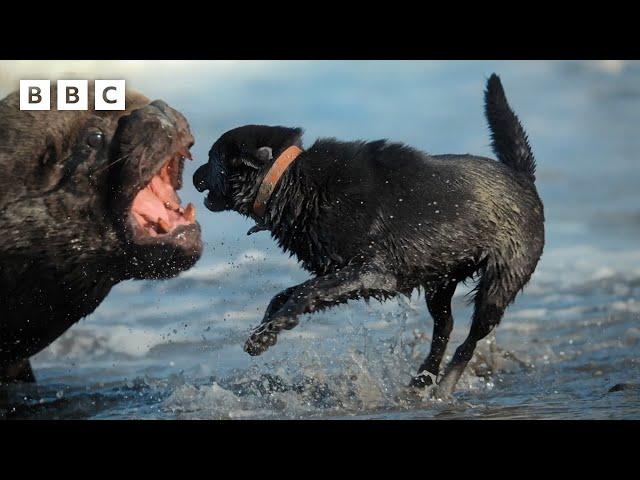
(172, 206)
(190, 213)
(146, 217)
(163, 226)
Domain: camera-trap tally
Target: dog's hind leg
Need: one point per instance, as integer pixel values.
(497, 288)
(351, 282)
(439, 304)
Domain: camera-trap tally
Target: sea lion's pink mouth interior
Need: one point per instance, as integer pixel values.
(156, 209)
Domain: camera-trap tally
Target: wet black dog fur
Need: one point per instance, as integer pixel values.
(377, 219)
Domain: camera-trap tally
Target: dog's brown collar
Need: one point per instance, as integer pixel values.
(272, 177)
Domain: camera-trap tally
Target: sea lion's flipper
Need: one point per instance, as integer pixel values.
(19, 372)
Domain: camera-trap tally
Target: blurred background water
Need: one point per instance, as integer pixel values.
(173, 349)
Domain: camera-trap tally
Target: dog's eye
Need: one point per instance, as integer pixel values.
(95, 139)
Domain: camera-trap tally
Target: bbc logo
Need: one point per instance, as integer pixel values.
(72, 95)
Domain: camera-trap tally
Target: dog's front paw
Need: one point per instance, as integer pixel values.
(260, 340)
(423, 379)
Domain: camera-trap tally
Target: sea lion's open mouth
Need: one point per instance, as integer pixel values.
(156, 210)
(161, 236)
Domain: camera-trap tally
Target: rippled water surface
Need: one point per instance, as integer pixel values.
(173, 349)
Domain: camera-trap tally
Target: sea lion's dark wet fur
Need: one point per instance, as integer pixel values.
(63, 210)
(374, 219)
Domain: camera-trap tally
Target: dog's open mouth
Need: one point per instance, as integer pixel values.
(156, 209)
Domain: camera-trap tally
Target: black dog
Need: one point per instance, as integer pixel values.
(374, 219)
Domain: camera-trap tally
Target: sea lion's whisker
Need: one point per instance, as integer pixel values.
(112, 163)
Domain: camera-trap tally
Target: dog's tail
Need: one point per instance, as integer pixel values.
(508, 138)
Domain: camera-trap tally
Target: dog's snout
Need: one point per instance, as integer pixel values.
(200, 178)
(203, 179)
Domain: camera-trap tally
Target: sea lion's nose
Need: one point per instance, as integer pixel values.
(160, 105)
(200, 178)
(173, 116)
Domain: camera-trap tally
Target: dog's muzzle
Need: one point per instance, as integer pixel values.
(202, 180)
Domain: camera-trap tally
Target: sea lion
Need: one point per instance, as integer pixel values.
(87, 199)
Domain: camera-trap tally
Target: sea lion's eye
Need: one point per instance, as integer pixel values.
(95, 139)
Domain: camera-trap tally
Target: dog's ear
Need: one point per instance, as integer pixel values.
(277, 140)
(256, 146)
(265, 154)
(258, 158)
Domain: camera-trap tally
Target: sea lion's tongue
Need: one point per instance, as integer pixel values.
(147, 207)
